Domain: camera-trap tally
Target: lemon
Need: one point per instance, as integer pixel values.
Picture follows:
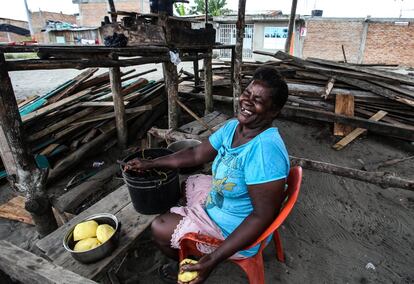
(86, 244)
(85, 230)
(187, 276)
(104, 232)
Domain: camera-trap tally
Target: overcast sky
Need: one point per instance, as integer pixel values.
(331, 8)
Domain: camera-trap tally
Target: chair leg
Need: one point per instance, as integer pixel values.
(279, 248)
(253, 267)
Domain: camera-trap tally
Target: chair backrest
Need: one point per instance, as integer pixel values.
(294, 181)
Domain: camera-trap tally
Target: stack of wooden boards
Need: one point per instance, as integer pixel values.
(77, 118)
(354, 97)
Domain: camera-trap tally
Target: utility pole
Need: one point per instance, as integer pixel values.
(238, 56)
(29, 18)
(291, 25)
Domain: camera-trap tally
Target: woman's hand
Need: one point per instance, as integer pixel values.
(139, 165)
(205, 265)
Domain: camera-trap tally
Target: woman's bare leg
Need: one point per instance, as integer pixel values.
(162, 229)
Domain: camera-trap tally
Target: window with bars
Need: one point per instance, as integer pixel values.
(227, 35)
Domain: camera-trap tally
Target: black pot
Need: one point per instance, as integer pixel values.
(155, 194)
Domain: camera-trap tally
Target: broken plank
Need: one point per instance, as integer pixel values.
(328, 88)
(344, 104)
(14, 210)
(357, 132)
(29, 268)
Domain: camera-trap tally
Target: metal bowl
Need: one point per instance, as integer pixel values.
(179, 145)
(183, 144)
(101, 251)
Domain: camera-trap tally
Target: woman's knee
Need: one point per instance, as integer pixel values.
(163, 226)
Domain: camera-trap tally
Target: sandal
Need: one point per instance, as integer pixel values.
(169, 272)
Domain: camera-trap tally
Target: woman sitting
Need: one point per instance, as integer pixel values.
(244, 194)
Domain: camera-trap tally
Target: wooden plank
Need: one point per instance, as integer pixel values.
(49, 149)
(27, 100)
(104, 116)
(60, 124)
(344, 105)
(29, 268)
(357, 132)
(211, 119)
(133, 224)
(198, 119)
(14, 210)
(99, 104)
(78, 80)
(52, 107)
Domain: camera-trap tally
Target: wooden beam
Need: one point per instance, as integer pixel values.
(291, 25)
(357, 132)
(28, 178)
(171, 83)
(119, 108)
(208, 82)
(238, 58)
(187, 109)
(113, 10)
(29, 268)
(379, 178)
(344, 105)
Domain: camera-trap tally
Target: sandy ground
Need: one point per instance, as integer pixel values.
(340, 231)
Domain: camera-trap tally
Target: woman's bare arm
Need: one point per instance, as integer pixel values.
(189, 157)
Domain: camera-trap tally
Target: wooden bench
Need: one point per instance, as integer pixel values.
(132, 225)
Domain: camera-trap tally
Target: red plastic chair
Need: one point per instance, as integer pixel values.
(252, 266)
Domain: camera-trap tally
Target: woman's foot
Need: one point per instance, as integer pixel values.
(168, 272)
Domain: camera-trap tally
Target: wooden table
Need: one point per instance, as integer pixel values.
(132, 225)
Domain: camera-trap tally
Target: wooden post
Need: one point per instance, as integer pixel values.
(291, 25)
(119, 107)
(240, 25)
(208, 82)
(113, 10)
(206, 6)
(232, 76)
(196, 72)
(171, 83)
(24, 174)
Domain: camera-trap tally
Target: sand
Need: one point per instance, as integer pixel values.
(340, 231)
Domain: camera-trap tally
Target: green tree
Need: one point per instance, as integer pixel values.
(180, 9)
(215, 7)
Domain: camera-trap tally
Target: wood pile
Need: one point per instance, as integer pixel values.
(77, 118)
(353, 97)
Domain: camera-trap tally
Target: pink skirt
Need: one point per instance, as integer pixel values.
(195, 218)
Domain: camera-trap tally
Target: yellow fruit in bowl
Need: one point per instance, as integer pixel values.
(187, 276)
(86, 244)
(104, 232)
(85, 230)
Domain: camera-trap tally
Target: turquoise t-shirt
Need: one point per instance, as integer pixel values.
(262, 159)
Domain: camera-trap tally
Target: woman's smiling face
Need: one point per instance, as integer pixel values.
(256, 107)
